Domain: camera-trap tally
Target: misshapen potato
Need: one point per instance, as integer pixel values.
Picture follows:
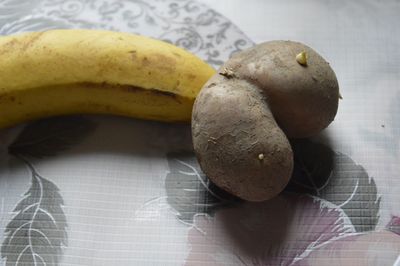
(243, 114)
(240, 146)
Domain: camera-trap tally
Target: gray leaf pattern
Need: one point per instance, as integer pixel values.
(37, 232)
(355, 192)
(48, 137)
(189, 191)
(335, 177)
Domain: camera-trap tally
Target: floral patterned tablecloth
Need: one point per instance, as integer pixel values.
(97, 190)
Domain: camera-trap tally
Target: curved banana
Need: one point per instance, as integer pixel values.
(102, 72)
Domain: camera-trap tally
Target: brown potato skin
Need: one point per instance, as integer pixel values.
(231, 126)
(303, 99)
(236, 116)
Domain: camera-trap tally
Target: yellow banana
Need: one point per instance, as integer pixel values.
(102, 72)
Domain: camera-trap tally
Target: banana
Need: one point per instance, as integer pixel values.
(62, 72)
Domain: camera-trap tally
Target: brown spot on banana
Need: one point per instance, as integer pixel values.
(35, 37)
(191, 76)
(133, 55)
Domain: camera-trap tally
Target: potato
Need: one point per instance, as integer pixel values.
(243, 114)
(240, 146)
(303, 99)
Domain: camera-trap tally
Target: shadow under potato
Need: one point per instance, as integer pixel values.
(313, 166)
(333, 176)
(253, 227)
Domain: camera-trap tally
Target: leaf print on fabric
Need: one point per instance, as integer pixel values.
(189, 191)
(281, 231)
(37, 232)
(48, 137)
(152, 209)
(336, 178)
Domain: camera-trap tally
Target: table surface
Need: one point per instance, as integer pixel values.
(132, 193)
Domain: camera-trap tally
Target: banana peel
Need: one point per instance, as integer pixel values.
(62, 72)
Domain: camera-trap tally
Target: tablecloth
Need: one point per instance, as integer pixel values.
(98, 190)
